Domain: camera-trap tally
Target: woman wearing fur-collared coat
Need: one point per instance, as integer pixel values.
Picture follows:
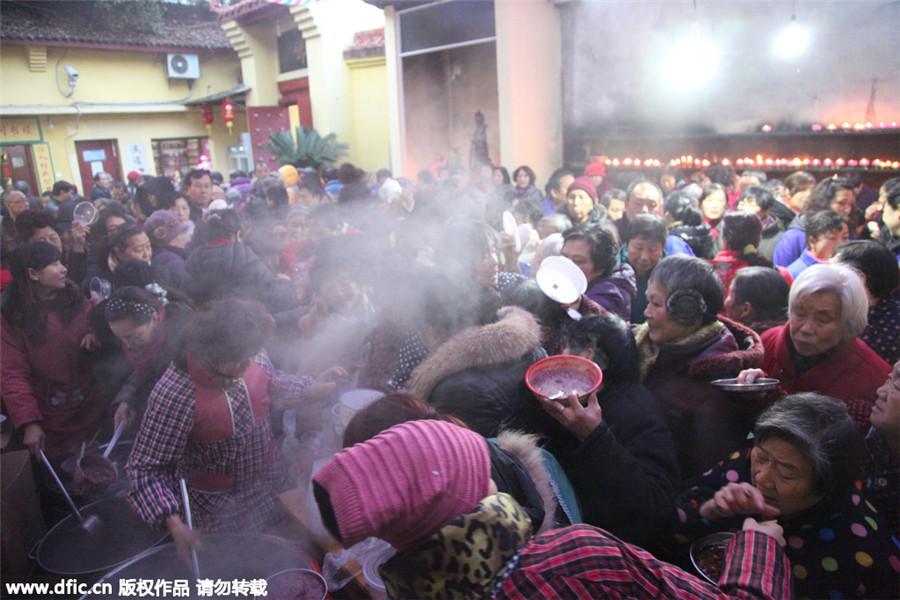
(683, 347)
(620, 441)
(475, 374)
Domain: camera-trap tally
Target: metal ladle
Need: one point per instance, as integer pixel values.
(115, 438)
(89, 523)
(190, 523)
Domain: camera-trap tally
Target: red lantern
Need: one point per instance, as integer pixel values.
(208, 117)
(228, 112)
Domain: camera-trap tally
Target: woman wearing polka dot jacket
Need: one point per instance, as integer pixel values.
(802, 471)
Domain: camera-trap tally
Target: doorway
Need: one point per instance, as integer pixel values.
(18, 165)
(95, 156)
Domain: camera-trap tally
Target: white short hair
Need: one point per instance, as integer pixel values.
(842, 281)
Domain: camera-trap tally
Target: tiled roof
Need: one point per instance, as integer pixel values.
(366, 43)
(246, 11)
(76, 22)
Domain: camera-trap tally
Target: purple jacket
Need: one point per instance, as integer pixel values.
(616, 291)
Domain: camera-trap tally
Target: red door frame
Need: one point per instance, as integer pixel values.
(110, 160)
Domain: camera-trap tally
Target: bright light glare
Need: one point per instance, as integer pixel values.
(792, 41)
(693, 62)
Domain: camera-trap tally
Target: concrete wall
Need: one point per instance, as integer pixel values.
(623, 74)
(442, 92)
(529, 83)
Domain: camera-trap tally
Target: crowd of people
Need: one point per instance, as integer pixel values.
(195, 313)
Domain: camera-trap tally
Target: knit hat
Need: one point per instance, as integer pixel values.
(162, 227)
(404, 484)
(133, 176)
(595, 168)
(290, 175)
(586, 185)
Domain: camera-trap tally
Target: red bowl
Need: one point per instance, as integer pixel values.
(563, 373)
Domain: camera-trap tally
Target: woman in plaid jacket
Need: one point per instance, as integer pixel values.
(207, 421)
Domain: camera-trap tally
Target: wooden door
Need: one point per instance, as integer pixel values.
(261, 120)
(95, 156)
(18, 165)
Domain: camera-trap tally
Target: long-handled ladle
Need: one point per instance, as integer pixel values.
(190, 523)
(89, 523)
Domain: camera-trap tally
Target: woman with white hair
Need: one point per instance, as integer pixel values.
(818, 349)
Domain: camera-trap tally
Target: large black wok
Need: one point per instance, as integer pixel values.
(224, 556)
(68, 549)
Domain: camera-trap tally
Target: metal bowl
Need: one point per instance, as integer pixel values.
(762, 384)
(297, 584)
(710, 544)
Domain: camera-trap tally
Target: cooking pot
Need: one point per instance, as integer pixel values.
(224, 556)
(68, 549)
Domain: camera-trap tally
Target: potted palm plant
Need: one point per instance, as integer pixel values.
(305, 148)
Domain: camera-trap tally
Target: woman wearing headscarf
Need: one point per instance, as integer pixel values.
(425, 487)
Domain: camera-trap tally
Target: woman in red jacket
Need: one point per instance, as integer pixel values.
(818, 349)
(45, 385)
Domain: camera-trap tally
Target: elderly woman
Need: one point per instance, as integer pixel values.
(593, 250)
(682, 347)
(802, 470)
(883, 445)
(581, 202)
(426, 488)
(207, 421)
(519, 466)
(818, 348)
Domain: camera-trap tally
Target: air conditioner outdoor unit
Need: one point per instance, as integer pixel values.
(183, 66)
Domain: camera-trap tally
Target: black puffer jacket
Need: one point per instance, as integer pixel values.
(698, 237)
(475, 375)
(625, 473)
(232, 269)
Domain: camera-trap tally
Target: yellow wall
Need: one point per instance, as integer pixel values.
(107, 76)
(369, 135)
(125, 96)
(61, 132)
